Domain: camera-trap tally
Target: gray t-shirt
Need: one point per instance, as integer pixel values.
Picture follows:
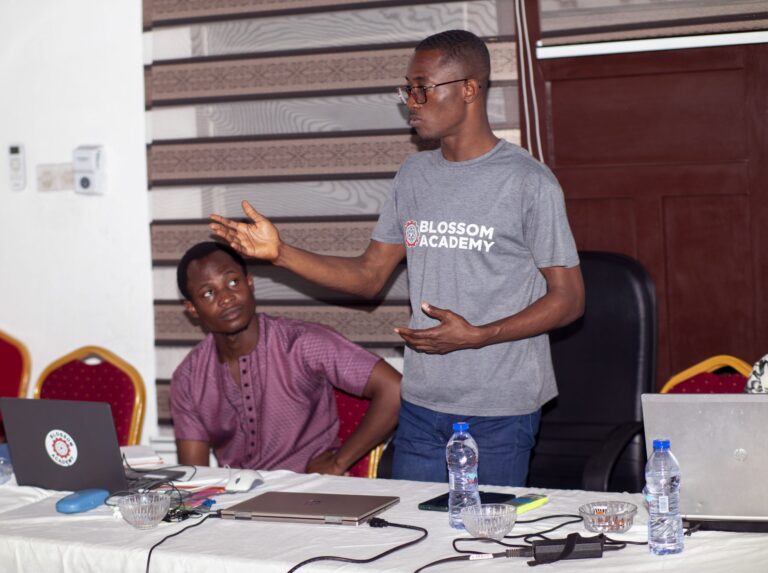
(476, 234)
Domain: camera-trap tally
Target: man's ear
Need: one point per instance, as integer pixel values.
(471, 90)
(190, 308)
(249, 280)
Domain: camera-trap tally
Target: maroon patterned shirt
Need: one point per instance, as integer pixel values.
(283, 412)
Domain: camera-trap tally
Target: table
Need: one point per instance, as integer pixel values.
(35, 538)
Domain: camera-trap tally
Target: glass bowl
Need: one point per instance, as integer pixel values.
(144, 510)
(608, 516)
(491, 520)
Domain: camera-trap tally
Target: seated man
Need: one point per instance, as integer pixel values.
(259, 389)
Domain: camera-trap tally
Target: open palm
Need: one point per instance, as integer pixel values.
(258, 238)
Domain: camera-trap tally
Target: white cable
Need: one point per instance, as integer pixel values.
(535, 103)
(520, 51)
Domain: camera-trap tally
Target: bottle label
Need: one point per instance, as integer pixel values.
(663, 504)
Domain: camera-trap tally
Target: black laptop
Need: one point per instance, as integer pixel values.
(70, 445)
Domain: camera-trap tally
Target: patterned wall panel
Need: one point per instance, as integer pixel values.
(331, 30)
(278, 76)
(352, 197)
(290, 104)
(577, 21)
(341, 238)
(364, 324)
(356, 113)
(317, 157)
(272, 283)
(165, 11)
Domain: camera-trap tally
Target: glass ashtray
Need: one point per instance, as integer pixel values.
(489, 520)
(608, 516)
(144, 510)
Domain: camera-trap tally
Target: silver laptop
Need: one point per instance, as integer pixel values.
(70, 445)
(303, 507)
(721, 444)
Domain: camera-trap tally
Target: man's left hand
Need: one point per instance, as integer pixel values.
(453, 333)
(326, 463)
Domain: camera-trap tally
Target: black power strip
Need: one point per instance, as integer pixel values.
(572, 547)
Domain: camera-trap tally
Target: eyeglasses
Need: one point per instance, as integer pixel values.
(419, 93)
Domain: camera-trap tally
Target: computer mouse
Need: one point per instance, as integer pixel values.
(243, 480)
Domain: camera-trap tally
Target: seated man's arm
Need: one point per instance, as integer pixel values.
(383, 390)
(193, 452)
(186, 421)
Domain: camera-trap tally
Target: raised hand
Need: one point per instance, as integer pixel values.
(453, 333)
(258, 239)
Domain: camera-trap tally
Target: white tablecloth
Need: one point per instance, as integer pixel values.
(35, 538)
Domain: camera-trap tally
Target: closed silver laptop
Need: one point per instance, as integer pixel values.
(304, 507)
(721, 444)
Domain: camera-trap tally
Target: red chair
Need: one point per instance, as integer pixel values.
(706, 377)
(351, 410)
(14, 370)
(94, 374)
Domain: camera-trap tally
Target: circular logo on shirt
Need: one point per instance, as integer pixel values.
(411, 233)
(61, 448)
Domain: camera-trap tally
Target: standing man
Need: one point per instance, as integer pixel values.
(492, 267)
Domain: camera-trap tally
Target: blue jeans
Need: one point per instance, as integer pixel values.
(505, 444)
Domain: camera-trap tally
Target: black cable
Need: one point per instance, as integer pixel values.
(526, 537)
(518, 552)
(149, 471)
(151, 549)
(374, 522)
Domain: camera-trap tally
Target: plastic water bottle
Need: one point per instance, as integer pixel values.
(6, 470)
(662, 491)
(462, 456)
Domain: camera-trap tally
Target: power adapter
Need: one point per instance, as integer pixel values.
(572, 547)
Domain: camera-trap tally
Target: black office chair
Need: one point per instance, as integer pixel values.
(591, 434)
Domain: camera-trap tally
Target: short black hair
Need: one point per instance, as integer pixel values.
(200, 251)
(463, 48)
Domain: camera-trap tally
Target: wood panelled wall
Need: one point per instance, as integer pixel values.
(664, 157)
(291, 104)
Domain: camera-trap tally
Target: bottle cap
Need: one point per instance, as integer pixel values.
(460, 426)
(660, 444)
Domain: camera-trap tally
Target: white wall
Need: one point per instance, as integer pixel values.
(75, 269)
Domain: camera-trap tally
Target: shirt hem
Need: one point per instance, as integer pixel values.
(474, 411)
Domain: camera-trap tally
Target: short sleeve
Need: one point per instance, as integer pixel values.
(545, 225)
(187, 424)
(330, 356)
(388, 228)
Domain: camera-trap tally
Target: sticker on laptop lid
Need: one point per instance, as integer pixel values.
(61, 448)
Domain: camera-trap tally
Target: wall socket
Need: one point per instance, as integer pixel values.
(55, 177)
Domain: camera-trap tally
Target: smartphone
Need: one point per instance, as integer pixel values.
(440, 503)
(523, 503)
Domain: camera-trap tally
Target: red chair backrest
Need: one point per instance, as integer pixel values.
(14, 371)
(351, 410)
(103, 382)
(13, 367)
(711, 383)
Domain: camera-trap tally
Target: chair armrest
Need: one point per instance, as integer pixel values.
(599, 466)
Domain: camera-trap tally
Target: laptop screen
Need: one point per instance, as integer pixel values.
(720, 442)
(63, 444)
